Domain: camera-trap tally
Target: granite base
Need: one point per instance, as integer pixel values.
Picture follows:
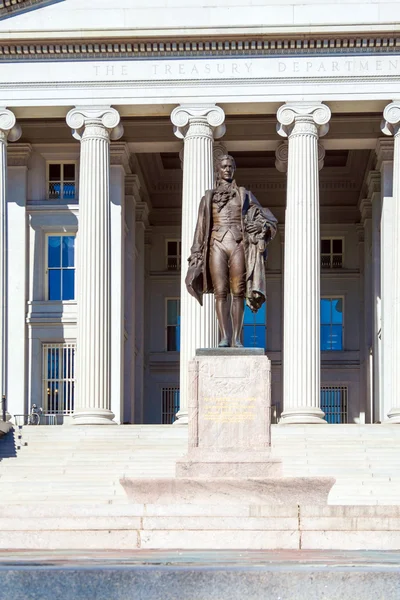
(220, 463)
(271, 491)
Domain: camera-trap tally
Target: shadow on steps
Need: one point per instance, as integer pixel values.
(7, 445)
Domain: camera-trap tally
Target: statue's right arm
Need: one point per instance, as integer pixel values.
(196, 251)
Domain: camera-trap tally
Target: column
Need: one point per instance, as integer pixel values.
(374, 185)
(390, 126)
(197, 125)
(302, 123)
(9, 132)
(94, 127)
(17, 191)
(384, 305)
(142, 224)
(119, 169)
(132, 187)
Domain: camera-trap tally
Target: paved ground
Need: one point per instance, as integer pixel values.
(200, 575)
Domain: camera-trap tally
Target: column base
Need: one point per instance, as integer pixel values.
(182, 418)
(394, 416)
(303, 415)
(93, 416)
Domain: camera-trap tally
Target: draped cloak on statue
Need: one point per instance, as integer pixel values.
(198, 279)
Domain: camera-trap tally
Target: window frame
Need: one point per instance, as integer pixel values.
(331, 238)
(166, 320)
(61, 163)
(46, 250)
(178, 256)
(332, 297)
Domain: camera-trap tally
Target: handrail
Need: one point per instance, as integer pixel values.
(4, 408)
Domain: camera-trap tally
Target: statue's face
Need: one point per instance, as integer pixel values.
(226, 170)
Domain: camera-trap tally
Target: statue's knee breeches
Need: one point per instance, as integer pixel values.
(228, 268)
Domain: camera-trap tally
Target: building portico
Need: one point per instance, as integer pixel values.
(149, 118)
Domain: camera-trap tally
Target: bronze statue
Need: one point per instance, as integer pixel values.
(229, 251)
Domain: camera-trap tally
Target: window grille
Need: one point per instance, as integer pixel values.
(59, 378)
(331, 253)
(61, 183)
(170, 399)
(334, 403)
(173, 255)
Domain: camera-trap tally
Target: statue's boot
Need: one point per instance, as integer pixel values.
(222, 310)
(237, 320)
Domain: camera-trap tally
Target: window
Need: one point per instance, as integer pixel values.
(60, 267)
(255, 328)
(173, 255)
(169, 404)
(59, 378)
(334, 403)
(331, 323)
(61, 181)
(173, 324)
(331, 253)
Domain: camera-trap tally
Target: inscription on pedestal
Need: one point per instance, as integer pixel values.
(229, 410)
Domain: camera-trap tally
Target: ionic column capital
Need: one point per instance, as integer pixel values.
(95, 121)
(303, 117)
(208, 120)
(282, 157)
(9, 129)
(391, 118)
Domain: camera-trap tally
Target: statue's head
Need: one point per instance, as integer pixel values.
(225, 167)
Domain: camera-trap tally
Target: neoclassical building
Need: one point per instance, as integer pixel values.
(111, 118)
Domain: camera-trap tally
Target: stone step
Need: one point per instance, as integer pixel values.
(199, 527)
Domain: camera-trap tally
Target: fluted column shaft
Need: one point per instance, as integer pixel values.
(391, 126)
(302, 124)
(197, 126)
(93, 368)
(9, 131)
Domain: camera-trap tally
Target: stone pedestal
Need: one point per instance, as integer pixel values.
(229, 415)
(228, 459)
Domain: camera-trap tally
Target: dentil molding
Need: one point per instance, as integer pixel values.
(156, 48)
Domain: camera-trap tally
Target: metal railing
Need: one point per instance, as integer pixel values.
(4, 408)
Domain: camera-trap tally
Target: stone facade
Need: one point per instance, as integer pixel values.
(149, 117)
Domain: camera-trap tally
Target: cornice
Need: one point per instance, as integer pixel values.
(181, 47)
(120, 155)
(9, 8)
(18, 155)
(384, 151)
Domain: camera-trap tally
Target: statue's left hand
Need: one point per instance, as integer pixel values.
(254, 227)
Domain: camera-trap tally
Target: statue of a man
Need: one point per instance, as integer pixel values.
(229, 251)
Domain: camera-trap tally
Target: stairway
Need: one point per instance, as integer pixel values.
(364, 459)
(84, 464)
(59, 489)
